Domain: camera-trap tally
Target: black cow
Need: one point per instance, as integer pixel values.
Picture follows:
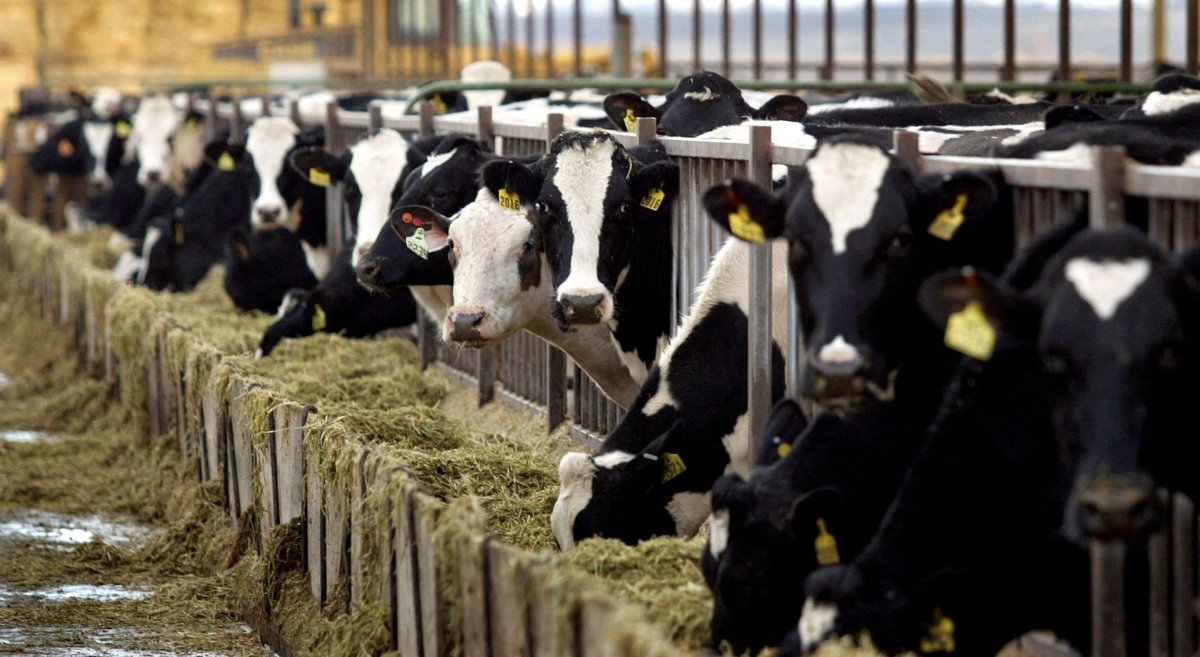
(604, 213)
(338, 304)
(1169, 138)
(699, 103)
(261, 266)
(1169, 94)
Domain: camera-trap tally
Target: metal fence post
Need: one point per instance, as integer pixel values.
(647, 129)
(1108, 598)
(907, 146)
(237, 124)
(335, 235)
(1106, 198)
(374, 117)
(210, 118)
(425, 108)
(487, 129)
(759, 375)
(556, 362)
(265, 106)
(294, 112)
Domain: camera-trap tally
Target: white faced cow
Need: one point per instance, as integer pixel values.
(604, 214)
(153, 124)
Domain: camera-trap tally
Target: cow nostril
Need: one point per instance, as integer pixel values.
(465, 326)
(268, 215)
(368, 269)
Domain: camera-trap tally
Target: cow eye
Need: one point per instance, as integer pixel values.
(626, 206)
(1056, 364)
(541, 208)
(528, 246)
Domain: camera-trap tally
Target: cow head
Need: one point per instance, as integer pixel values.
(700, 103)
(99, 138)
(301, 313)
(863, 232)
(153, 124)
(586, 195)
(496, 255)
(268, 141)
(618, 495)
(165, 237)
(261, 266)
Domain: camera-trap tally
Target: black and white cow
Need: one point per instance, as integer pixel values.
(1171, 138)
(338, 304)
(699, 103)
(1169, 94)
(688, 424)
(864, 232)
(845, 472)
(178, 250)
(262, 265)
(604, 214)
(1082, 400)
(501, 283)
(278, 189)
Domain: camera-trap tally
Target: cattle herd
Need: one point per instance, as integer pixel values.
(981, 411)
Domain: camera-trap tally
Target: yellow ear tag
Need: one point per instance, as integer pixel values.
(179, 236)
(190, 124)
(947, 222)
(826, 545)
(630, 120)
(225, 162)
(509, 200)
(672, 466)
(939, 636)
(122, 129)
(439, 105)
(968, 331)
(783, 449)
(743, 227)
(318, 318)
(653, 199)
(319, 177)
(416, 243)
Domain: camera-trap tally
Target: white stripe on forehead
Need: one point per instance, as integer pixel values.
(436, 161)
(1104, 285)
(581, 176)
(268, 141)
(845, 181)
(1158, 103)
(376, 163)
(98, 134)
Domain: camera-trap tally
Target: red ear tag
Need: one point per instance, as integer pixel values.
(417, 222)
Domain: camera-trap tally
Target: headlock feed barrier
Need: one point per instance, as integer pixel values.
(281, 474)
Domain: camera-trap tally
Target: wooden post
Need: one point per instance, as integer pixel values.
(1108, 599)
(408, 602)
(314, 522)
(359, 531)
(1106, 198)
(426, 511)
(374, 117)
(759, 359)
(1183, 525)
(907, 146)
(426, 129)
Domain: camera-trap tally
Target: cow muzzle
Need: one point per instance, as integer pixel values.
(583, 309)
(463, 325)
(1119, 509)
(837, 373)
(268, 216)
(369, 270)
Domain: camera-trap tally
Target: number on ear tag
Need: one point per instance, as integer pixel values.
(630, 120)
(509, 200)
(122, 129)
(226, 163)
(743, 227)
(826, 546)
(939, 636)
(318, 322)
(947, 222)
(968, 331)
(783, 449)
(672, 466)
(416, 243)
(179, 235)
(319, 177)
(653, 199)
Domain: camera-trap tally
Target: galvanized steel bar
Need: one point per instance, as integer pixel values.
(726, 68)
(1183, 525)
(1064, 40)
(697, 36)
(662, 38)
(294, 112)
(1108, 598)
(868, 39)
(1126, 40)
(577, 37)
(237, 124)
(425, 109)
(1009, 72)
(758, 397)
(827, 69)
(529, 67)
(1192, 22)
(910, 36)
(265, 109)
(793, 39)
(549, 20)
(756, 39)
(486, 127)
(907, 146)
(958, 40)
(511, 23)
(374, 117)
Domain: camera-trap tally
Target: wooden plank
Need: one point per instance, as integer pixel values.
(426, 511)
(473, 579)
(337, 536)
(1159, 555)
(1108, 599)
(506, 600)
(407, 606)
(359, 528)
(289, 460)
(591, 628)
(267, 504)
(314, 522)
(153, 421)
(546, 615)
(243, 464)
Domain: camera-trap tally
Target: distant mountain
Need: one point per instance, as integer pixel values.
(1095, 35)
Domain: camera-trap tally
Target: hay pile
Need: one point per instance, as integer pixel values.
(495, 468)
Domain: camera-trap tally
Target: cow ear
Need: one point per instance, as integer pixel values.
(655, 187)
(746, 210)
(733, 494)
(663, 459)
(625, 107)
(954, 203)
(224, 156)
(813, 516)
(317, 166)
(407, 220)
(514, 179)
(782, 430)
(783, 107)
(973, 311)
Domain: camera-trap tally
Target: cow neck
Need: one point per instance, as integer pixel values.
(643, 298)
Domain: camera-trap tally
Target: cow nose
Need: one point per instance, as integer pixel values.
(1119, 510)
(368, 270)
(154, 176)
(268, 215)
(582, 308)
(837, 369)
(465, 326)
